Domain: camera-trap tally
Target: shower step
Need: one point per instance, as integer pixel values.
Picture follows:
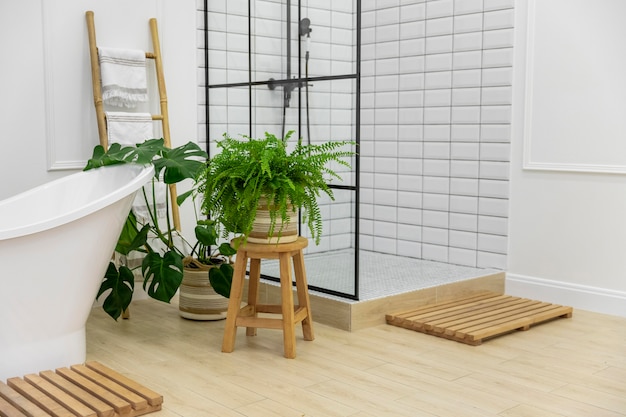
(353, 315)
(473, 319)
(87, 390)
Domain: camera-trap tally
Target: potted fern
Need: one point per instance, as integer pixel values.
(249, 175)
(165, 252)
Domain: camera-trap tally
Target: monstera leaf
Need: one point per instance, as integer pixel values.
(101, 158)
(145, 152)
(180, 163)
(162, 275)
(121, 283)
(131, 237)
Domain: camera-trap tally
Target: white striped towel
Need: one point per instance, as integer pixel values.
(123, 76)
(128, 128)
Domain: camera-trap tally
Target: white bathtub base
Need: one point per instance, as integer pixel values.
(55, 244)
(43, 355)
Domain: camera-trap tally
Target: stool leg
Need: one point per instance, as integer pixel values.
(289, 334)
(303, 295)
(234, 303)
(253, 291)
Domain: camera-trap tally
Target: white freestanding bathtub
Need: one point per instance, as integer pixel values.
(56, 241)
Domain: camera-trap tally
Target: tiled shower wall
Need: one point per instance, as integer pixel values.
(435, 118)
(435, 160)
(331, 101)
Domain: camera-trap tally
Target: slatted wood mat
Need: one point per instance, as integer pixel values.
(474, 319)
(89, 390)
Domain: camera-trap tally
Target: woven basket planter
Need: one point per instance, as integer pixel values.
(197, 298)
(283, 233)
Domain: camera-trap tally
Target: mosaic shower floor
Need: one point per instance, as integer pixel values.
(381, 275)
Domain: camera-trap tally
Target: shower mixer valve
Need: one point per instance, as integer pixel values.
(290, 84)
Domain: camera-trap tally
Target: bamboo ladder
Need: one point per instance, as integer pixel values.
(97, 96)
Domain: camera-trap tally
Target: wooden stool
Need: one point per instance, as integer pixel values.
(248, 316)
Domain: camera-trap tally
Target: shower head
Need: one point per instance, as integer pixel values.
(305, 27)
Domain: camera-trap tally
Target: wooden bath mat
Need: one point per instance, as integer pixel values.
(474, 319)
(90, 390)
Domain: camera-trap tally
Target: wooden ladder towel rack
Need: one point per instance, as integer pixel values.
(99, 104)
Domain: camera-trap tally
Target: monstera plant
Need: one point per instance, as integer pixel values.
(157, 239)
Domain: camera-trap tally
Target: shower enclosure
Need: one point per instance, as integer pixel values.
(287, 66)
(423, 87)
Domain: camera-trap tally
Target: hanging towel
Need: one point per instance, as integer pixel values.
(143, 206)
(123, 76)
(128, 128)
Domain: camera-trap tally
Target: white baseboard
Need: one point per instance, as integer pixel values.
(600, 300)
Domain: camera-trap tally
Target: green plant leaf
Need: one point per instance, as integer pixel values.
(162, 275)
(131, 238)
(206, 234)
(227, 250)
(145, 152)
(141, 239)
(96, 158)
(121, 283)
(221, 279)
(118, 154)
(182, 197)
(101, 158)
(183, 162)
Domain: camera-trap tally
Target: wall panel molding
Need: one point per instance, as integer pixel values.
(575, 87)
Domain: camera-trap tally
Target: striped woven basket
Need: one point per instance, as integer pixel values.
(197, 298)
(283, 233)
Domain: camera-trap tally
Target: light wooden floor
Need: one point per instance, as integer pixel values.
(567, 367)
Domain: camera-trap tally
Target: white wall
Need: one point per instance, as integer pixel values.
(567, 213)
(22, 107)
(46, 106)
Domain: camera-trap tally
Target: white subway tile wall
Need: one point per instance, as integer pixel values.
(435, 112)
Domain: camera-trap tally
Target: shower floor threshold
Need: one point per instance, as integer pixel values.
(387, 283)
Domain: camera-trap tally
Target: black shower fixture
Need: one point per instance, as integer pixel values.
(305, 27)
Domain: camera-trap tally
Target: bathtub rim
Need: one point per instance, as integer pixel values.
(145, 173)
